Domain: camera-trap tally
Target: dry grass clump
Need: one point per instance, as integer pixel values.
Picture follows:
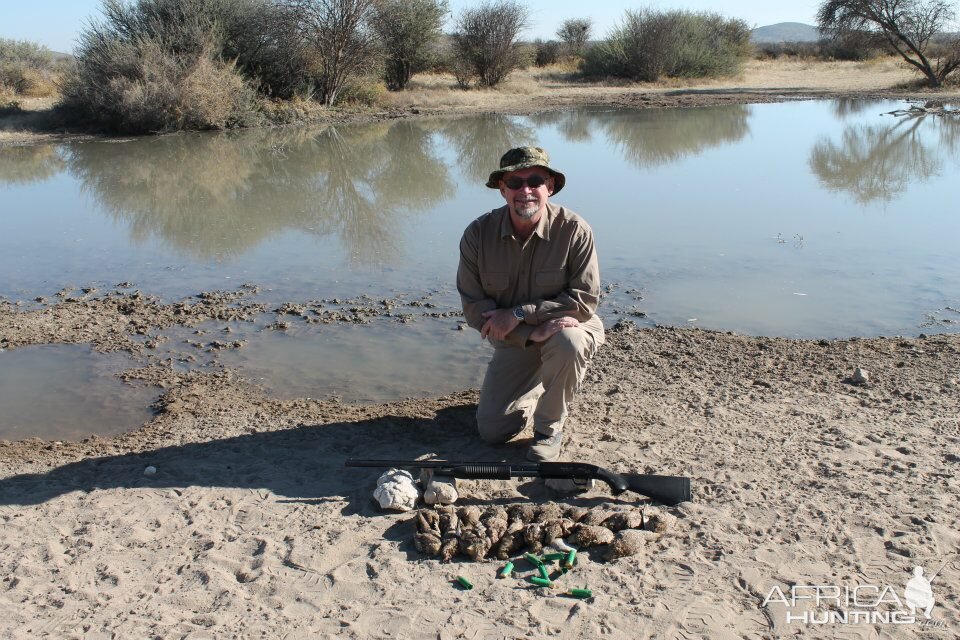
(296, 109)
(33, 83)
(7, 93)
(162, 65)
(877, 73)
(362, 92)
(436, 90)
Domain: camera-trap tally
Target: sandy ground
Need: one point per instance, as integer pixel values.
(252, 527)
(760, 81)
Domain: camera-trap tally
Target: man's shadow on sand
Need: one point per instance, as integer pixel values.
(303, 463)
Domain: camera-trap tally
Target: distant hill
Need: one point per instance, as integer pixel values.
(785, 32)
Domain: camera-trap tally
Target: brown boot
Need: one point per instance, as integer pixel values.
(545, 448)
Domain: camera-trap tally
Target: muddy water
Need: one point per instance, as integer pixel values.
(811, 219)
(67, 392)
(371, 363)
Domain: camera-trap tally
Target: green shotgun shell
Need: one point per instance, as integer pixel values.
(507, 570)
(581, 593)
(541, 582)
(543, 572)
(464, 583)
(532, 559)
(569, 560)
(550, 557)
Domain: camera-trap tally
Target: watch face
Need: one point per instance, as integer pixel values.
(518, 313)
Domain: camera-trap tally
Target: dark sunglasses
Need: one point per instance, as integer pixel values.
(534, 181)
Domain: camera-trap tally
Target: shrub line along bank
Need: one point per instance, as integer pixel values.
(164, 65)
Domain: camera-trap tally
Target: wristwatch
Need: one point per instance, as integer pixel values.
(518, 313)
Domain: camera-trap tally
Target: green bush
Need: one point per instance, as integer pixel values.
(141, 86)
(30, 54)
(485, 43)
(409, 31)
(866, 47)
(776, 50)
(26, 68)
(161, 65)
(547, 53)
(264, 40)
(575, 33)
(650, 44)
(854, 45)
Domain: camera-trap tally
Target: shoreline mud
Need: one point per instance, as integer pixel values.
(129, 321)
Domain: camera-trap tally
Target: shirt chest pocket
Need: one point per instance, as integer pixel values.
(495, 281)
(551, 278)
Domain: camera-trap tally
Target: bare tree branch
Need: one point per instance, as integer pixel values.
(340, 35)
(486, 40)
(909, 26)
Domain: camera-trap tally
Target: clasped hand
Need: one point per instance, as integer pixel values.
(500, 322)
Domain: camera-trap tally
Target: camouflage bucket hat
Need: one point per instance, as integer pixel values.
(524, 158)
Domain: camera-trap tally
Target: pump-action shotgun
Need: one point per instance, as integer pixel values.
(667, 490)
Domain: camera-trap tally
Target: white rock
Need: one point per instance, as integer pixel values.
(861, 376)
(396, 491)
(394, 475)
(438, 489)
(150, 471)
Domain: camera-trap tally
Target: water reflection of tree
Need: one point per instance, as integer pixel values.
(657, 137)
(880, 162)
(843, 107)
(384, 171)
(23, 165)
(212, 196)
(183, 189)
(480, 142)
(948, 131)
(575, 125)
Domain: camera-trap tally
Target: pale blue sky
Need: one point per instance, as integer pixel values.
(56, 23)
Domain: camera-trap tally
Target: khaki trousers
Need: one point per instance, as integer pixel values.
(535, 384)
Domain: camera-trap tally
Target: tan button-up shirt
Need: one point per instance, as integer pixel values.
(553, 273)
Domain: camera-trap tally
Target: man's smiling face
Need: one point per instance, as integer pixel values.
(524, 200)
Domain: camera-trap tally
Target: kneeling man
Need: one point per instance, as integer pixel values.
(529, 282)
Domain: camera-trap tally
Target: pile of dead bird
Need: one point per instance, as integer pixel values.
(502, 531)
